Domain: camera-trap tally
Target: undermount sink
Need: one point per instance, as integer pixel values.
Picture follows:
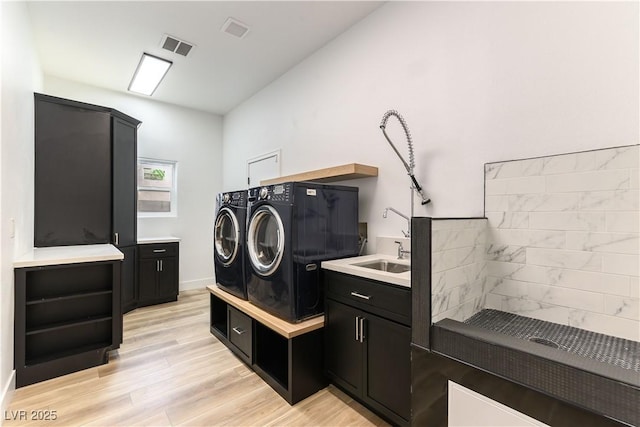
(384, 265)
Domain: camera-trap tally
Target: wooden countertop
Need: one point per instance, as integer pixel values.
(282, 327)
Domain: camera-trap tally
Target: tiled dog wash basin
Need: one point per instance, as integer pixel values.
(603, 348)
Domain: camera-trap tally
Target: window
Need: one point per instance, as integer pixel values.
(157, 187)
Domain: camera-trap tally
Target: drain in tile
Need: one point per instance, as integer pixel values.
(544, 341)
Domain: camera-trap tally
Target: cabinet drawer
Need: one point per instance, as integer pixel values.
(154, 250)
(379, 298)
(240, 331)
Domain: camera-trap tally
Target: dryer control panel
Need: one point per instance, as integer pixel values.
(273, 193)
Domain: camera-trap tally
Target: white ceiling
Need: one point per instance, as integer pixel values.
(100, 43)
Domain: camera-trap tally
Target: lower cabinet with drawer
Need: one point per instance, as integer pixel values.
(367, 343)
(158, 273)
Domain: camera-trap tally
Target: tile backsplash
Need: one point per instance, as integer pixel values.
(458, 268)
(562, 239)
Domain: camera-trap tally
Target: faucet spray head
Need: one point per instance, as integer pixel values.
(384, 214)
(408, 166)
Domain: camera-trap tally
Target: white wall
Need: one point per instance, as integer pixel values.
(476, 81)
(21, 76)
(169, 132)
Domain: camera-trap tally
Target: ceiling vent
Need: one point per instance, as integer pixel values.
(175, 45)
(235, 28)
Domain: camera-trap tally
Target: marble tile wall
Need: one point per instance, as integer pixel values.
(563, 239)
(458, 268)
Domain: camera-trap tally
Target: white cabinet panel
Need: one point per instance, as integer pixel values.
(468, 408)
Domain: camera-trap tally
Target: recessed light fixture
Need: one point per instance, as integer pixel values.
(150, 72)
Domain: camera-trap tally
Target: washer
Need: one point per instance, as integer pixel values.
(228, 242)
(291, 229)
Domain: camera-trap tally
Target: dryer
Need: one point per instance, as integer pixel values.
(291, 229)
(228, 242)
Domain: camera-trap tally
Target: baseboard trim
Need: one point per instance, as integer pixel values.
(7, 393)
(196, 284)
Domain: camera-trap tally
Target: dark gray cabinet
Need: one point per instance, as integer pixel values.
(157, 273)
(72, 173)
(367, 343)
(85, 178)
(130, 271)
(125, 198)
(85, 174)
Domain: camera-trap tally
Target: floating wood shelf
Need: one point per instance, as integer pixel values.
(332, 174)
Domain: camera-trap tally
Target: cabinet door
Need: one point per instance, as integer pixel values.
(129, 279)
(72, 175)
(388, 368)
(147, 279)
(168, 277)
(343, 352)
(124, 182)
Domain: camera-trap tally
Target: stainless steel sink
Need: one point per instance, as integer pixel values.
(384, 265)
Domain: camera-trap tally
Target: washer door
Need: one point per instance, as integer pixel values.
(226, 236)
(265, 240)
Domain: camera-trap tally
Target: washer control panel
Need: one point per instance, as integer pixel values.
(236, 198)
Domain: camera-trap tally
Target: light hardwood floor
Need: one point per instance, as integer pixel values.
(171, 371)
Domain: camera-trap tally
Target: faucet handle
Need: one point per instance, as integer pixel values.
(401, 251)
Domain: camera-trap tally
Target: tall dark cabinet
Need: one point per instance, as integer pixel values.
(85, 180)
(72, 174)
(123, 216)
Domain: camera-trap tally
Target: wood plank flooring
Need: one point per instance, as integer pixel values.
(170, 371)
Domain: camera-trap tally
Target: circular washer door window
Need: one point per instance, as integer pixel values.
(265, 240)
(226, 236)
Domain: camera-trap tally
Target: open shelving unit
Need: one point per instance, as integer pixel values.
(286, 356)
(67, 318)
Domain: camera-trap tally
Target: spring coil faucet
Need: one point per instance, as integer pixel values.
(409, 167)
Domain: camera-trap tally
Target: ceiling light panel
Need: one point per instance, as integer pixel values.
(150, 72)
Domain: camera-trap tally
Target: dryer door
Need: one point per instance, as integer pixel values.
(265, 240)
(226, 236)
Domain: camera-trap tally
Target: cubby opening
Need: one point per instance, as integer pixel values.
(219, 315)
(60, 282)
(67, 339)
(68, 309)
(272, 354)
